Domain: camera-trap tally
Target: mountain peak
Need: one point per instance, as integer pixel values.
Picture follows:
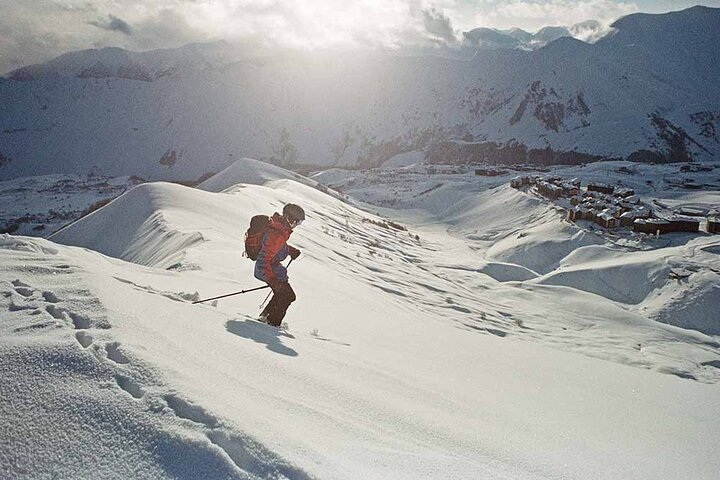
(117, 62)
(693, 14)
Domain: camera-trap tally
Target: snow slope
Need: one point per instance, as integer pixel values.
(516, 236)
(403, 359)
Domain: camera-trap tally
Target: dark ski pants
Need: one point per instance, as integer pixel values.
(283, 296)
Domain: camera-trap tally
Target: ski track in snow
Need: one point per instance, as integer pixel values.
(59, 310)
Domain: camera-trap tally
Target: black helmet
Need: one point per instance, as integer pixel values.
(294, 214)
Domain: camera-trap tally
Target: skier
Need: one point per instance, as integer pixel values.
(273, 250)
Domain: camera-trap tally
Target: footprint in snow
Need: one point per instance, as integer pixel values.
(56, 312)
(253, 458)
(22, 288)
(84, 338)
(130, 386)
(114, 354)
(25, 292)
(80, 322)
(50, 297)
(184, 409)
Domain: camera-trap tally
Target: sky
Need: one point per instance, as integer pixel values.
(34, 31)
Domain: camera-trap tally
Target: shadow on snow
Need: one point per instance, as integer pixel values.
(261, 333)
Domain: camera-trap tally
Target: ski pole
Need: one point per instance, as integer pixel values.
(237, 293)
(231, 294)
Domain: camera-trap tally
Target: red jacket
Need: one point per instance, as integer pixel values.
(273, 250)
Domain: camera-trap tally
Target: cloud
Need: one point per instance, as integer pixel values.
(35, 31)
(438, 24)
(534, 14)
(113, 24)
(165, 28)
(589, 31)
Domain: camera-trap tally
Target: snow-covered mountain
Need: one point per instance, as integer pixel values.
(119, 63)
(477, 335)
(647, 92)
(492, 38)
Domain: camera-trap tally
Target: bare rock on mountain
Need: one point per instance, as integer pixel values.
(169, 158)
(549, 108)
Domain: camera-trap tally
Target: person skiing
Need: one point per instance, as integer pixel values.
(273, 250)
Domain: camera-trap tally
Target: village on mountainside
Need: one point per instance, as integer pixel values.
(612, 207)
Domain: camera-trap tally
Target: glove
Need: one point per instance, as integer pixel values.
(294, 252)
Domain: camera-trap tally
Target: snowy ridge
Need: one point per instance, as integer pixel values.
(136, 226)
(113, 62)
(246, 170)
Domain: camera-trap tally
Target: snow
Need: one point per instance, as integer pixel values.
(247, 170)
(145, 236)
(490, 339)
(40, 205)
(407, 159)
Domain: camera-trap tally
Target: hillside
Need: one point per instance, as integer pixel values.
(411, 352)
(647, 92)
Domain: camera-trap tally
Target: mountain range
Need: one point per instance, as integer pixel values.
(647, 91)
(517, 38)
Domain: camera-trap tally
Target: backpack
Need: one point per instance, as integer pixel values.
(254, 235)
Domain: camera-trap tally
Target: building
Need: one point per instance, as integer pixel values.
(673, 224)
(684, 224)
(576, 200)
(612, 208)
(650, 225)
(549, 190)
(600, 188)
(630, 203)
(569, 189)
(490, 172)
(624, 192)
(606, 219)
(694, 167)
(713, 222)
(690, 212)
(628, 217)
(579, 212)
